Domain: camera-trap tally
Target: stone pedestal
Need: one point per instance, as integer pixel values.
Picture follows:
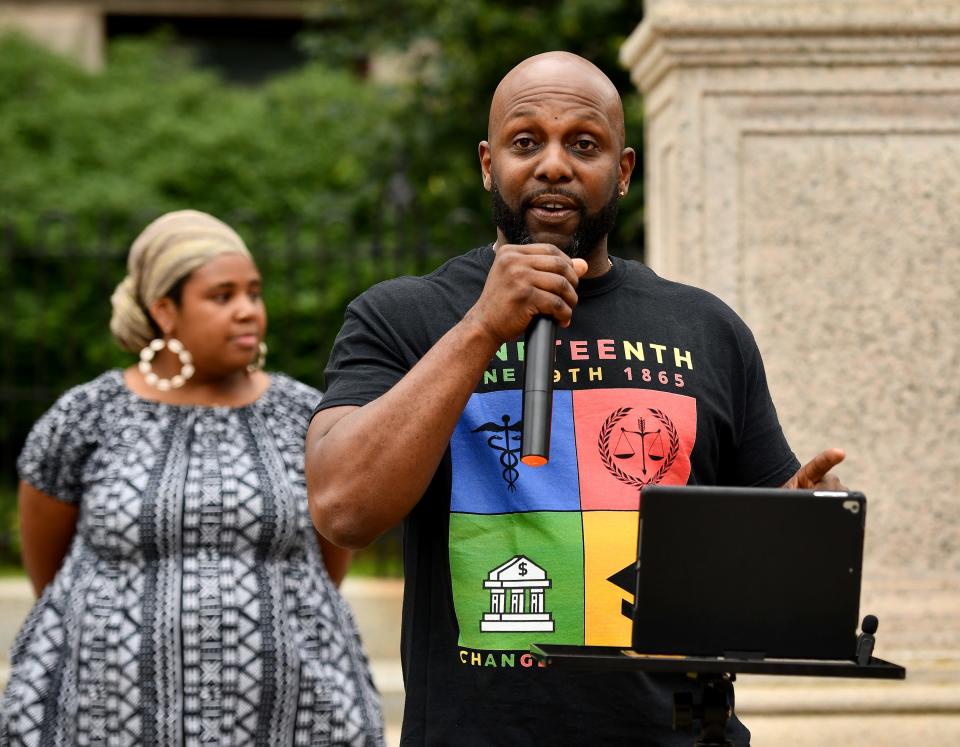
(803, 163)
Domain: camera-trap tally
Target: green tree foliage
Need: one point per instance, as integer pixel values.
(152, 133)
(450, 56)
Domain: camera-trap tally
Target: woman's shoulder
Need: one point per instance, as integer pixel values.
(289, 393)
(90, 396)
(66, 434)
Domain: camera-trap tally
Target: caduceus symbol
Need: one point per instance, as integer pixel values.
(506, 440)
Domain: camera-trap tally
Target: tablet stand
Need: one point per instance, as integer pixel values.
(713, 711)
(716, 674)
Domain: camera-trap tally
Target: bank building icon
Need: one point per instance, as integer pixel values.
(524, 582)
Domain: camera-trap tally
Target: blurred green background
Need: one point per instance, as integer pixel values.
(357, 164)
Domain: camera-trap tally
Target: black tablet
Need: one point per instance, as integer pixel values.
(748, 572)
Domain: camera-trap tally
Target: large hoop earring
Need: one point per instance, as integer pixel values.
(174, 346)
(257, 365)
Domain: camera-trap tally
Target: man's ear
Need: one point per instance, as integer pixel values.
(628, 159)
(164, 313)
(484, 152)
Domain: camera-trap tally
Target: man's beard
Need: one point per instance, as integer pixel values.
(590, 231)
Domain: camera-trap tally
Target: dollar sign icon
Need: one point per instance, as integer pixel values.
(523, 567)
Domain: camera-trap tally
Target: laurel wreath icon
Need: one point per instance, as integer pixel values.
(604, 445)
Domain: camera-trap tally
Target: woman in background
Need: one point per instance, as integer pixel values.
(185, 597)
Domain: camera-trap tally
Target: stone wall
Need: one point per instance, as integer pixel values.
(803, 163)
(71, 29)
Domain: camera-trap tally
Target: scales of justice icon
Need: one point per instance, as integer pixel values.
(624, 448)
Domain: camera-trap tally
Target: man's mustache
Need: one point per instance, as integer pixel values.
(527, 201)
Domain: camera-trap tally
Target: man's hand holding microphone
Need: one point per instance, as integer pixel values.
(531, 289)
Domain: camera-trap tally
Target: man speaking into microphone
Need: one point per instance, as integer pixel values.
(654, 383)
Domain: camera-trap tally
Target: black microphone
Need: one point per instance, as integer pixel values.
(539, 353)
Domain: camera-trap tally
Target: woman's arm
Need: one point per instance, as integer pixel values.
(47, 527)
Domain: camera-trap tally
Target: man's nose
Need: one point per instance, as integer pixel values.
(554, 164)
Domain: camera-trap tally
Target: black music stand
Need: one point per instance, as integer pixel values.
(775, 572)
(715, 675)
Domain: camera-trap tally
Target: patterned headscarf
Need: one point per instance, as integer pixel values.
(167, 250)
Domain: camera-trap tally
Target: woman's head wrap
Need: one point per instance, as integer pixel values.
(166, 251)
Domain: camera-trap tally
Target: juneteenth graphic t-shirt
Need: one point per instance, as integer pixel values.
(655, 383)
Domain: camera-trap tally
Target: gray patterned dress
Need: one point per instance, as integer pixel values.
(193, 606)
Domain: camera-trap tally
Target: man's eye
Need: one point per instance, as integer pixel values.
(221, 297)
(523, 143)
(585, 145)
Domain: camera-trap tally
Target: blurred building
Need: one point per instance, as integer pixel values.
(246, 40)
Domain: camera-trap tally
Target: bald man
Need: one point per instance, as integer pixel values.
(655, 383)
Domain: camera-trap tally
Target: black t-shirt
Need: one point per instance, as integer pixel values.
(655, 382)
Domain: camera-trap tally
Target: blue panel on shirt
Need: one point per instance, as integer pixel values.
(488, 477)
